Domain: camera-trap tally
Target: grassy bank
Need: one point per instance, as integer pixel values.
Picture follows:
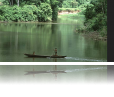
(68, 9)
(76, 16)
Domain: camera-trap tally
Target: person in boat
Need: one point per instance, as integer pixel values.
(33, 53)
(55, 51)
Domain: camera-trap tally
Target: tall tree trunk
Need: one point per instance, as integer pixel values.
(11, 2)
(17, 2)
(102, 9)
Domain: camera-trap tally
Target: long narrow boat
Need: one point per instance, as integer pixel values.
(44, 56)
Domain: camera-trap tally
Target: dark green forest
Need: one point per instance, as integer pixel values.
(95, 12)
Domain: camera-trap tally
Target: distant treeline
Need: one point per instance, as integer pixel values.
(95, 11)
(32, 10)
(26, 13)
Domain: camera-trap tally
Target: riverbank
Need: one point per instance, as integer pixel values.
(67, 12)
(95, 36)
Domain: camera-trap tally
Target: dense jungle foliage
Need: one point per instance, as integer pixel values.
(25, 13)
(96, 16)
(95, 11)
(32, 10)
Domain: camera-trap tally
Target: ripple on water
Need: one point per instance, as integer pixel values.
(82, 59)
(86, 69)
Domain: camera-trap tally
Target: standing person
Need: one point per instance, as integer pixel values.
(55, 50)
(33, 52)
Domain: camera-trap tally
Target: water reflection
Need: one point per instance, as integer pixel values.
(19, 38)
(55, 72)
(33, 59)
(54, 59)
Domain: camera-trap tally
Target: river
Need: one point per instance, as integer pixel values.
(19, 38)
(53, 74)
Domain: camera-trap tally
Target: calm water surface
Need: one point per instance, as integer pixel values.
(53, 73)
(19, 38)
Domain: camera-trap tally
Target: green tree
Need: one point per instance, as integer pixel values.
(54, 6)
(96, 16)
(41, 4)
(44, 12)
(11, 2)
(60, 2)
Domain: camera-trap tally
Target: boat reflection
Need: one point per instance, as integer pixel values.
(54, 59)
(55, 72)
(33, 58)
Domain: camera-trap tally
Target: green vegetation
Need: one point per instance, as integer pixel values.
(96, 16)
(67, 9)
(44, 12)
(70, 4)
(25, 13)
(32, 10)
(74, 3)
(54, 7)
(95, 12)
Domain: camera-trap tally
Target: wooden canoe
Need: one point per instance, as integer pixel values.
(44, 56)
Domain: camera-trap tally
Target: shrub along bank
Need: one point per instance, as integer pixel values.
(95, 18)
(26, 13)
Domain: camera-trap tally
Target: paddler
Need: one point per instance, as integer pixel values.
(55, 51)
(33, 52)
